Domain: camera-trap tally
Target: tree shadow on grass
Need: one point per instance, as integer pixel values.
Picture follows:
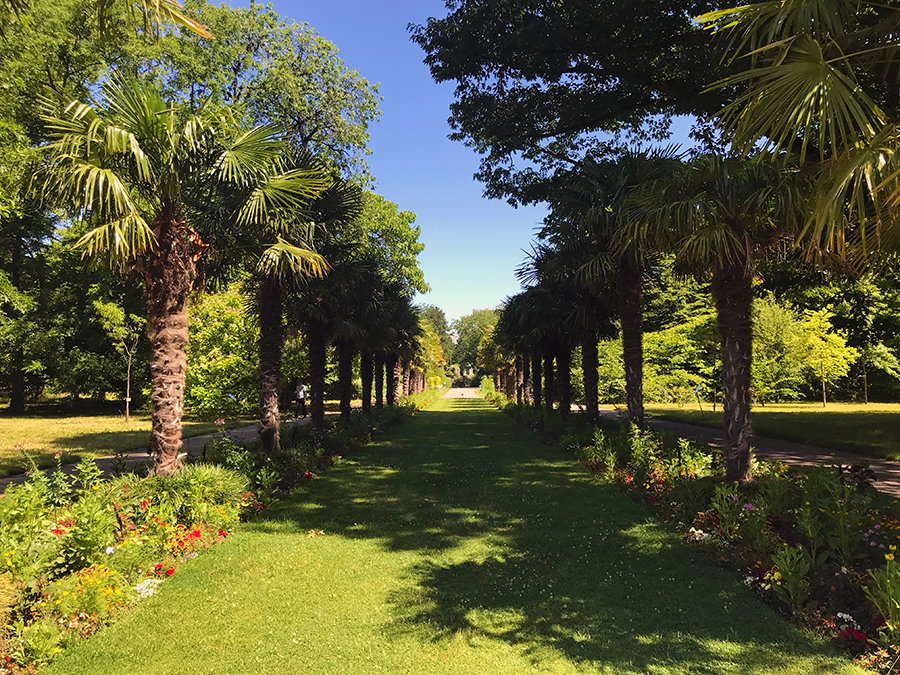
(571, 568)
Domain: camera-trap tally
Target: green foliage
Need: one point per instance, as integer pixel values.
(792, 587)
(729, 507)
(825, 351)
(778, 362)
(469, 330)
(884, 592)
(221, 378)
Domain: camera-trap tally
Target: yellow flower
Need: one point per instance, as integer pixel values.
(888, 556)
(892, 547)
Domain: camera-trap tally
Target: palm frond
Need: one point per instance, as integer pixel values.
(250, 155)
(291, 190)
(802, 95)
(123, 239)
(283, 259)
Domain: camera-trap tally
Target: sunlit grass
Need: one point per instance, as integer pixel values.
(455, 544)
(872, 429)
(48, 431)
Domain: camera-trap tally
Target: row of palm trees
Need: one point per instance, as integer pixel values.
(182, 198)
(813, 143)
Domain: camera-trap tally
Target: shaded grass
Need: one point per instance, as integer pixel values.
(50, 429)
(870, 430)
(456, 544)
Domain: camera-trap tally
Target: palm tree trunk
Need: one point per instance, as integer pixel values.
(520, 379)
(526, 379)
(536, 376)
(631, 292)
(733, 294)
(271, 336)
(390, 371)
(407, 374)
(549, 390)
(509, 381)
(398, 380)
(315, 342)
(345, 376)
(564, 374)
(170, 278)
(591, 377)
(379, 379)
(366, 366)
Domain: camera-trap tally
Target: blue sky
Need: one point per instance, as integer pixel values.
(472, 244)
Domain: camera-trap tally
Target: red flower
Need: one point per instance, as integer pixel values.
(170, 571)
(57, 531)
(223, 533)
(195, 534)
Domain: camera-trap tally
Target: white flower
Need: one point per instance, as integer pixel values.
(147, 587)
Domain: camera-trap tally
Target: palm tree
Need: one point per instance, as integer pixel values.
(276, 252)
(586, 215)
(820, 86)
(139, 170)
(718, 214)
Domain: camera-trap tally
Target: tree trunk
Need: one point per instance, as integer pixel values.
(733, 295)
(390, 371)
(509, 384)
(549, 390)
(345, 376)
(398, 380)
(520, 380)
(526, 379)
(17, 362)
(865, 383)
(407, 374)
(589, 368)
(271, 337)
(536, 375)
(366, 367)
(170, 277)
(564, 375)
(824, 399)
(379, 380)
(315, 343)
(631, 294)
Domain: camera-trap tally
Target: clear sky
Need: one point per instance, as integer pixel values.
(472, 244)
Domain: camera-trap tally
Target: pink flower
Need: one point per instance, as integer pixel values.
(110, 550)
(219, 422)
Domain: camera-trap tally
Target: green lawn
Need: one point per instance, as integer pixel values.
(49, 429)
(872, 429)
(456, 544)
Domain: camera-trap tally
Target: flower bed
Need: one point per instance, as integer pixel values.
(76, 552)
(818, 544)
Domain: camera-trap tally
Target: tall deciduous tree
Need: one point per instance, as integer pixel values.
(536, 79)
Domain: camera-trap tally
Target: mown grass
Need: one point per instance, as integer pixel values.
(872, 429)
(46, 430)
(456, 544)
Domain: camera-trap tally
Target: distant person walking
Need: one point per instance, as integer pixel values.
(300, 408)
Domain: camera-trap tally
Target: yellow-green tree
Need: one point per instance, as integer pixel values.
(825, 349)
